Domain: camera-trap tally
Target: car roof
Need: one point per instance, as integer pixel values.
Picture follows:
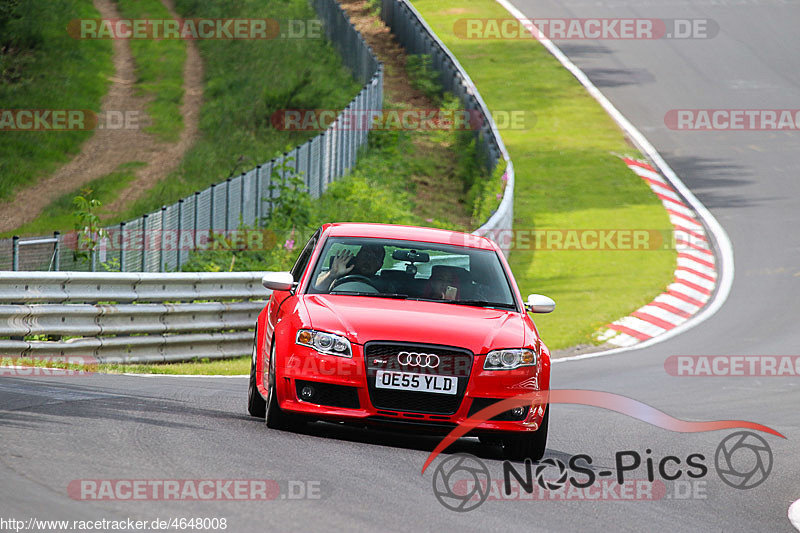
(408, 233)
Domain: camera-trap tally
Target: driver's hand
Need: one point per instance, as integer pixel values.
(339, 266)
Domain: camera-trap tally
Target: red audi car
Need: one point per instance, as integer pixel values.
(404, 326)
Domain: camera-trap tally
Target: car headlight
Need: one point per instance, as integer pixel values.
(326, 343)
(509, 359)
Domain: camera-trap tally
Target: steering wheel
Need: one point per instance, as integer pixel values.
(353, 277)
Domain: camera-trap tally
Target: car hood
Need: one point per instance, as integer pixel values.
(364, 319)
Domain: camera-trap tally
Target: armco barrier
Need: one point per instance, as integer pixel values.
(116, 318)
(414, 34)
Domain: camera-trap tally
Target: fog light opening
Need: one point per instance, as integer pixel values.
(518, 412)
(307, 393)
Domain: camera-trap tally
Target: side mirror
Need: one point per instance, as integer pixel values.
(540, 304)
(278, 281)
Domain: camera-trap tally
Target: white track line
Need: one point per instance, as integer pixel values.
(794, 514)
(723, 243)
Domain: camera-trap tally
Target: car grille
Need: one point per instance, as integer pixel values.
(381, 355)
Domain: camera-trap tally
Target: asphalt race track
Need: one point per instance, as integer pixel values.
(55, 430)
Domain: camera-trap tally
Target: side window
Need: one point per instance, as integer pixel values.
(302, 261)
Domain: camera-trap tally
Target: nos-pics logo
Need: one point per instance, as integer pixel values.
(462, 482)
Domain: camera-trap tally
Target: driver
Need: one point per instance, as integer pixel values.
(366, 263)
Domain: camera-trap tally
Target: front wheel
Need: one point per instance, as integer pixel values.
(256, 405)
(528, 445)
(276, 417)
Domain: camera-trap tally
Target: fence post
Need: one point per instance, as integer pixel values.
(307, 177)
(353, 135)
(122, 245)
(15, 253)
(337, 141)
(213, 194)
(321, 162)
(144, 243)
(57, 251)
(163, 244)
(258, 197)
(179, 240)
(241, 198)
(196, 217)
(227, 205)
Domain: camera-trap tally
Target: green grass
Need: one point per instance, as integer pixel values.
(42, 67)
(59, 214)
(245, 82)
(567, 176)
(226, 367)
(159, 70)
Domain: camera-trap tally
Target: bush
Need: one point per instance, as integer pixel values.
(424, 78)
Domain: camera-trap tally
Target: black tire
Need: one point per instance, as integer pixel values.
(256, 405)
(528, 445)
(276, 418)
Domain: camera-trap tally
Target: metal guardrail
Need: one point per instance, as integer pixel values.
(162, 241)
(414, 34)
(125, 318)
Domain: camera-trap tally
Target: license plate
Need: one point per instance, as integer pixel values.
(416, 382)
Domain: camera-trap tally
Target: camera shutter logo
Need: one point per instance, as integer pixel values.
(548, 484)
(421, 360)
(743, 460)
(467, 471)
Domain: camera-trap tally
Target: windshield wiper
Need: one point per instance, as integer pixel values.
(375, 294)
(477, 303)
(482, 303)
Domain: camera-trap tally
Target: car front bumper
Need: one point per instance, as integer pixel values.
(339, 389)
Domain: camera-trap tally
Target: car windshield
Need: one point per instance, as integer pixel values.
(411, 270)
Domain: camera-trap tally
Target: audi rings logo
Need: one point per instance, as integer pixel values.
(743, 460)
(421, 360)
(461, 469)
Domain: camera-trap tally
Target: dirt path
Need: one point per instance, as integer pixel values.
(446, 194)
(166, 160)
(107, 149)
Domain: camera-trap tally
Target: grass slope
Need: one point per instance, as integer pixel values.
(42, 67)
(159, 70)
